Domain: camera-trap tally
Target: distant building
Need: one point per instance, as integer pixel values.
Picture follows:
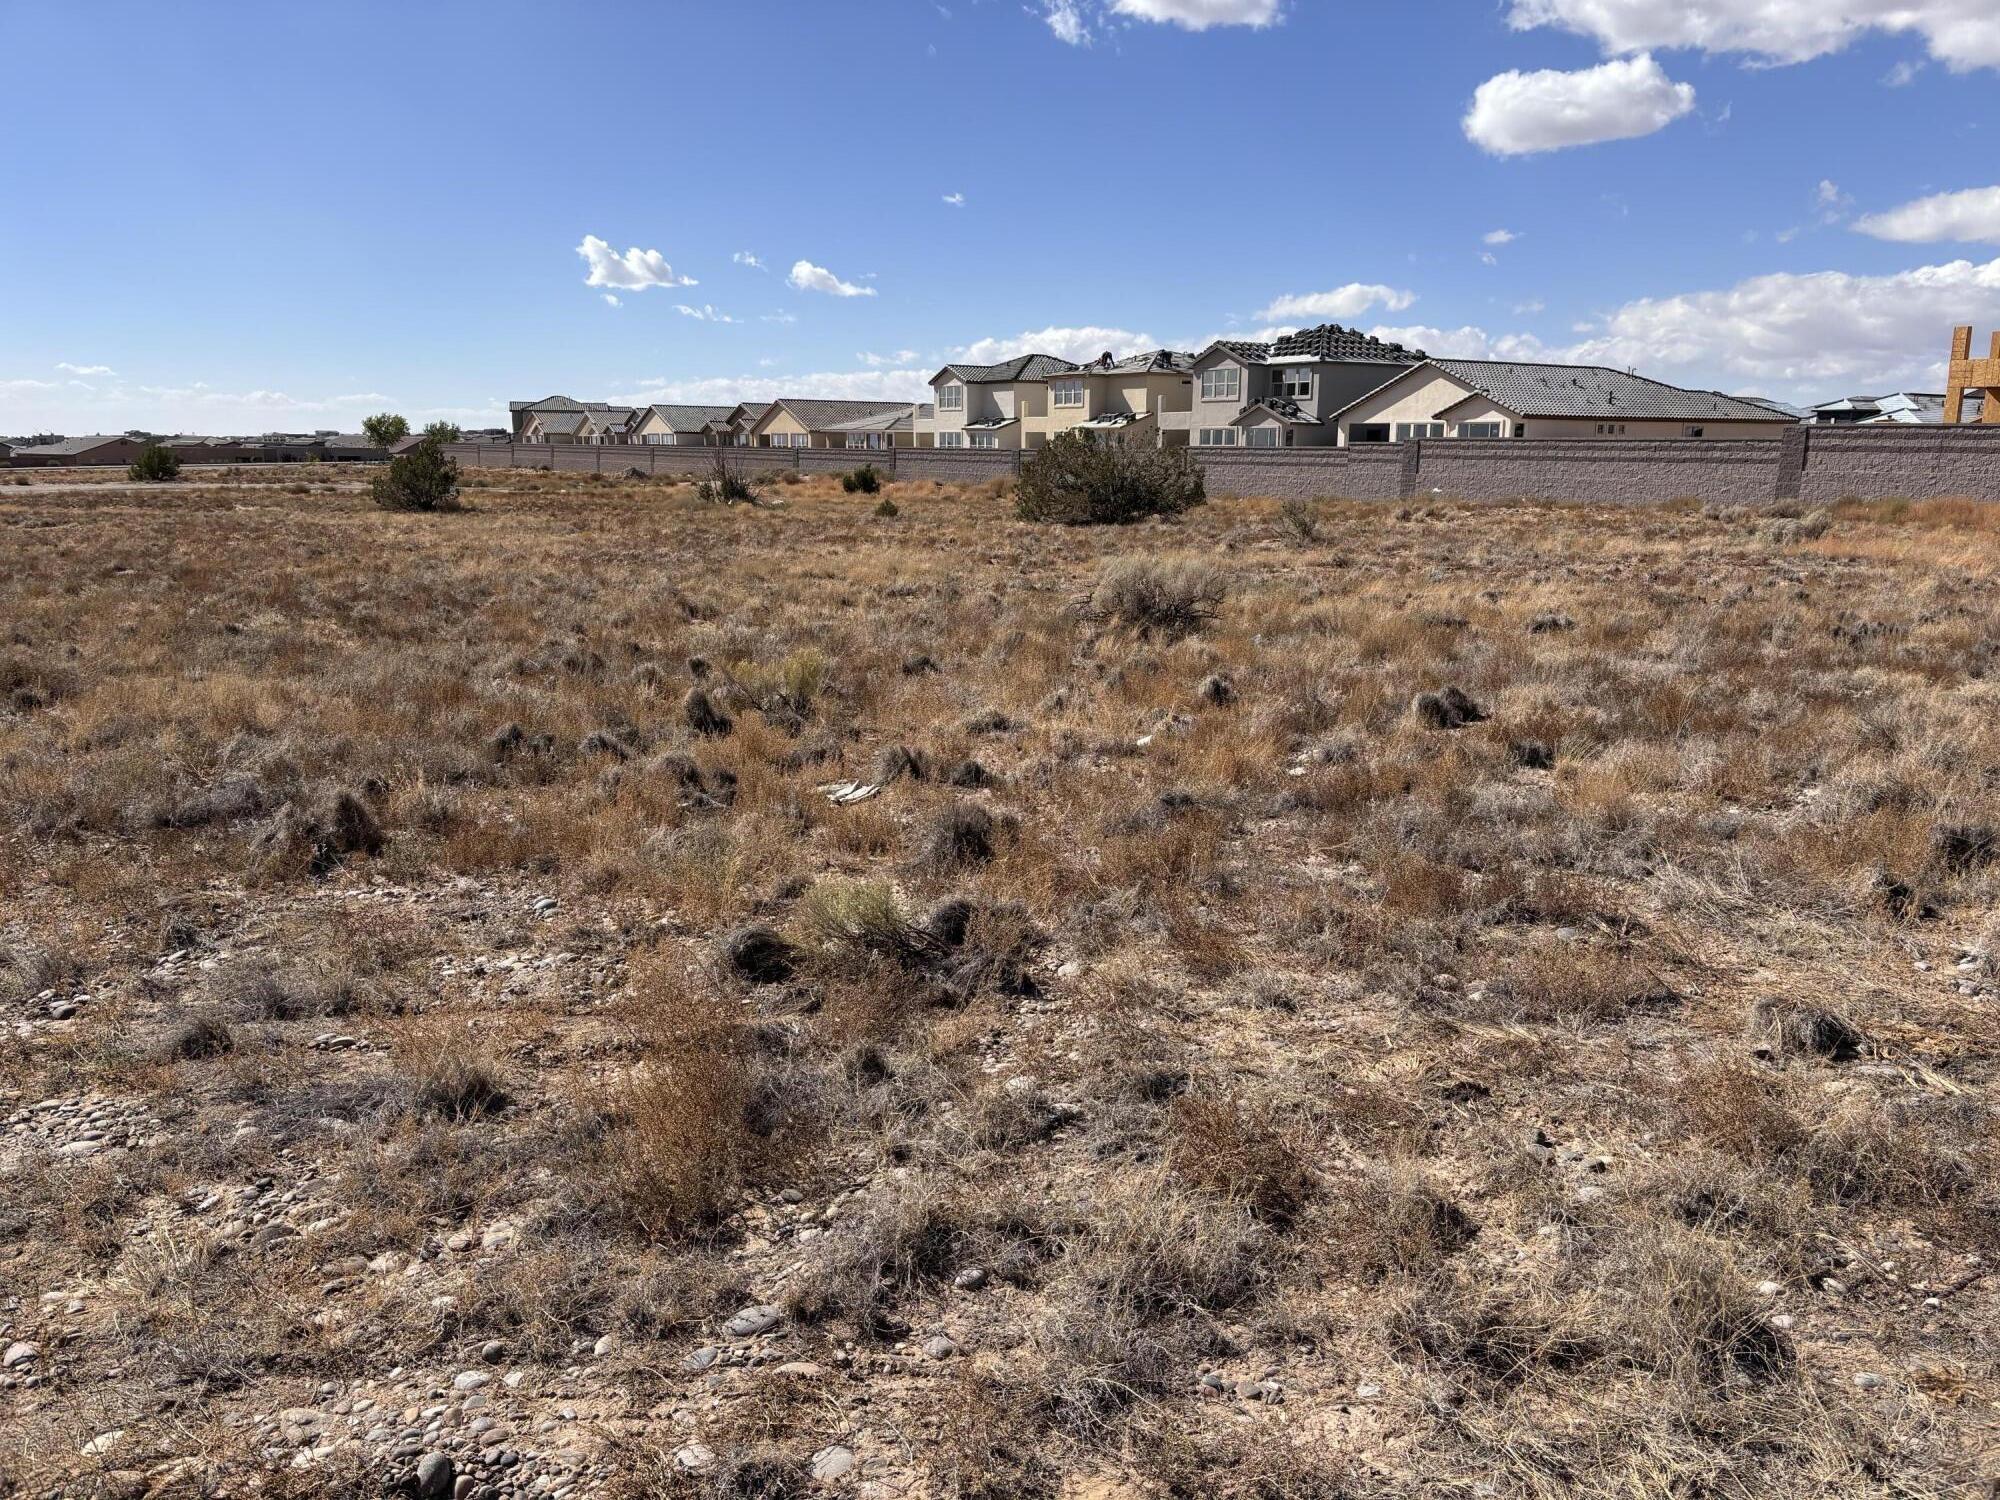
(78, 452)
(794, 423)
(669, 426)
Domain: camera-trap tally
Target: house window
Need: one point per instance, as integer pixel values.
(1223, 383)
(1481, 429)
(1066, 392)
(1413, 431)
(1694, 432)
(986, 440)
(1295, 384)
(1261, 437)
(951, 398)
(1368, 432)
(951, 440)
(1611, 429)
(1218, 437)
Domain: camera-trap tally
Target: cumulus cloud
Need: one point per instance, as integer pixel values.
(77, 406)
(1199, 15)
(1076, 344)
(69, 369)
(1962, 34)
(611, 300)
(1517, 114)
(1466, 342)
(1973, 215)
(706, 313)
(633, 271)
(807, 277)
(745, 258)
(1499, 237)
(902, 357)
(839, 385)
(1349, 301)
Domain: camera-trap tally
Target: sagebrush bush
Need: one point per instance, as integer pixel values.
(155, 464)
(1166, 598)
(423, 479)
(866, 480)
(1073, 481)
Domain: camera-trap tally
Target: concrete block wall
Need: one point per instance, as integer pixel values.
(1914, 463)
(1614, 473)
(1810, 465)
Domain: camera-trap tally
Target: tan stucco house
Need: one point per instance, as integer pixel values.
(1127, 399)
(992, 406)
(670, 426)
(1284, 394)
(794, 423)
(1483, 398)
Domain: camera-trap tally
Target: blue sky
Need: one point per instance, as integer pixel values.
(285, 216)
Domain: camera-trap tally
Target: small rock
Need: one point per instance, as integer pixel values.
(1867, 1380)
(469, 1380)
(700, 1360)
(940, 1346)
(832, 1463)
(971, 1279)
(20, 1352)
(435, 1476)
(1769, 1288)
(752, 1321)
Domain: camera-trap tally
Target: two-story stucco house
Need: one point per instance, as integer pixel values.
(1144, 398)
(1485, 398)
(1284, 394)
(991, 406)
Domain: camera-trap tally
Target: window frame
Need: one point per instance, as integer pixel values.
(1486, 429)
(1295, 382)
(1067, 391)
(951, 440)
(1227, 435)
(1234, 374)
(1406, 432)
(1262, 437)
(951, 396)
(985, 440)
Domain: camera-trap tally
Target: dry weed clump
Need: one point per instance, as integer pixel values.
(440, 950)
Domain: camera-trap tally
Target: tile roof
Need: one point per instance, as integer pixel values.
(547, 403)
(1541, 390)
(819, 416)
(991, 424)
(902, 419)
(690, 418)
(562, 422)
(1026, 367)
(1153, 362)
(1331, 341)
(1285, 409)
(75, 445)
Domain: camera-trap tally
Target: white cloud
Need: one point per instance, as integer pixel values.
(706, 313)
(956, 200)
(780, 317)
(1902, 75)
(1529, 308)
(633, 271)
(1832, 203)
(1971, 215)
(611, 300)
(1962, 34)
(1499, 237)
(902, 357)
(838, 385)
(807, 277)
(1349, 301)
(745, 258)
(76, 406)
(71, 369)
(1464, 343)
(1077, 344)
(1517, 113)
(1199, 15)
(1066, 21)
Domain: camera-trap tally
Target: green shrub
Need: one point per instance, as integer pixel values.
(155, 464)
(887, 508)
(1073, 481)
(422, 479)
(866, 480)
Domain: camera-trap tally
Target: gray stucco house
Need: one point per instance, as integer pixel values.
(1283, 394)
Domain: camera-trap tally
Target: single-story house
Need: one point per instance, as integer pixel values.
(795, 423)
(78, 452)
(1283, 394)
(671, 426)
(992, 406)
(1488, 398)
(889, 429)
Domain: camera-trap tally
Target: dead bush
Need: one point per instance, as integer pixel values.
(1242, 1151)
(1157, 598)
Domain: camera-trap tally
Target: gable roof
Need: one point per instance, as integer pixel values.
(1549, 390)
(1025, 367)
(1152, 362)
(547, 403)
(1284, 409)
(689, 418)
(562, 422)
(822, 416)
(901, 419)
(70, 447)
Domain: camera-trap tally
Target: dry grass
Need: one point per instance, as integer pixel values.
(1461, 1001)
